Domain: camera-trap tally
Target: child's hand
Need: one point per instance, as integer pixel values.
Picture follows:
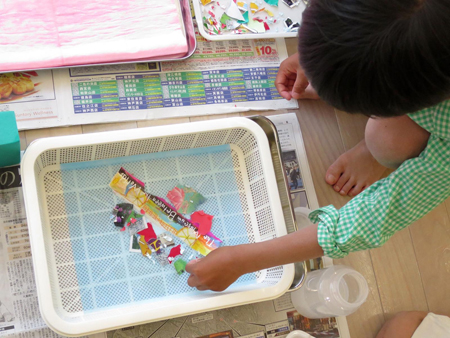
(226, 264)
(217, 271)
(291, 81)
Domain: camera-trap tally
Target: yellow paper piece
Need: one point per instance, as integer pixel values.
(269, 12)
(137, 197)
(187, 235)
(144, 246)
(241, 4)
(205, 2)
(253, 7)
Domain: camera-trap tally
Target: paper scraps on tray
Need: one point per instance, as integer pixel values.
(144, 246)
(163, 214)
(166, 240)
(272, 2)
(256, 25)
(247, 16)
(180, 266)
(135, 223)
(203, 220)
(174, 252)
(155, 245)
(234, 12)
(148, 233)
(291, 3)
(120, 213)
(185, 199)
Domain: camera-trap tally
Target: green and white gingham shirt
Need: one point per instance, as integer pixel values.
(391, 204)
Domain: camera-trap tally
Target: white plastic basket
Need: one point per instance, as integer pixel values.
(83, 289)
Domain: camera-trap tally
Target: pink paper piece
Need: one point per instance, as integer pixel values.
(176, 196)
(203, 220)
(176, 251)
(148, 233)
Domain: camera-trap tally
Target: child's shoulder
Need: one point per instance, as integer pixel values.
(435, 120)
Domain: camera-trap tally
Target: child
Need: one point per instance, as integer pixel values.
(384, 59)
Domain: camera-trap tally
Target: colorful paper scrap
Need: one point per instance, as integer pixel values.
(180, 266)
(155, 245)
(144, 246)
(203, 220)
(174, 252)
(234, 12)
(162, 213)
(184, 198)
(148, 233)
(272, 2)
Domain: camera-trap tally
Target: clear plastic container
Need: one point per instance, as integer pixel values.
(299, 334)
(336, 291)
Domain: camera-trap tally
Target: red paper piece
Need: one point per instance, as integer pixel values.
(123, 229)
(148, 233)
(176, 251)
(266, 26)
(203, 220)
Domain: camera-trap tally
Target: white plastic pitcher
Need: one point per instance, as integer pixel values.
(332, 292)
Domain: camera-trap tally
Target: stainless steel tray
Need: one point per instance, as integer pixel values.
(288, 211)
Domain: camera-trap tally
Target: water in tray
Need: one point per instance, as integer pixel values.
(95, 266)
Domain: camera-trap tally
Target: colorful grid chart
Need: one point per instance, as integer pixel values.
(148, 91)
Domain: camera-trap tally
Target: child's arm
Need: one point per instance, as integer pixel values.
(224, 265)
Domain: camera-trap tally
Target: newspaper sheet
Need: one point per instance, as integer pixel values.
(37, 105)
(221, 77)
(19, 308)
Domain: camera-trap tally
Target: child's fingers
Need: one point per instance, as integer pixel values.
(281, 83)
(193, 281)
(300, 85)
(190, 266)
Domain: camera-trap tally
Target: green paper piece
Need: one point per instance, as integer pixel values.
(134, 215)
(180, 266)
(245, 15)
(272, 2)
(9, 139)
(257, 26)
(225, 18)
(135, 243)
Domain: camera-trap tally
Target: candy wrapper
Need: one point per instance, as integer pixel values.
(162, 213)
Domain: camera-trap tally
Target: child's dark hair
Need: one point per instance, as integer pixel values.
(377, 57)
